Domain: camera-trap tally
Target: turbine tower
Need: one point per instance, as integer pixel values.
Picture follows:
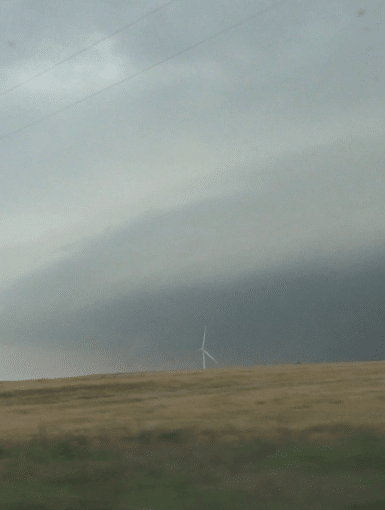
(203, 351)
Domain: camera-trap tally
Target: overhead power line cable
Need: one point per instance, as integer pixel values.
(85, 49)
(142, 71)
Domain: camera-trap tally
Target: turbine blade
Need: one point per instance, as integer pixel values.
(210, 356)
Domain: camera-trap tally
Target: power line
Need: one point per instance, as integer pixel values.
(85, 49)
(140, 72)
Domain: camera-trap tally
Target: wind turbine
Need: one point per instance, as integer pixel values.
(203, 350)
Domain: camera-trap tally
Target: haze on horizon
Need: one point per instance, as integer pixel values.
(238, 185)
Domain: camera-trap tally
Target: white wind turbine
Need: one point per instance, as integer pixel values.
(203, 351)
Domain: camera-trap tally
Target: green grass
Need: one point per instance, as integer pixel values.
(172, 470)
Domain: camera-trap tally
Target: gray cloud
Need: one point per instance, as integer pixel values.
(239, 185)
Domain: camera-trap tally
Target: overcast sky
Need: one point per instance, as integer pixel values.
(238, 185)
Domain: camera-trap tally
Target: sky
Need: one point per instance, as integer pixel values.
(164, 180)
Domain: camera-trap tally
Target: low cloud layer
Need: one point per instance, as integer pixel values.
(238, 186)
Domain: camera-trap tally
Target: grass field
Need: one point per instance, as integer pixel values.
(301, 437)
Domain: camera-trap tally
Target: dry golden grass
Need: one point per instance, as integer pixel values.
(285, 402)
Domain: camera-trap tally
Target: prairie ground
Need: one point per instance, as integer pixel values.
(279, 402)
(232, 422)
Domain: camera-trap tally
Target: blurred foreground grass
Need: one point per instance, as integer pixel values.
(171, 470)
